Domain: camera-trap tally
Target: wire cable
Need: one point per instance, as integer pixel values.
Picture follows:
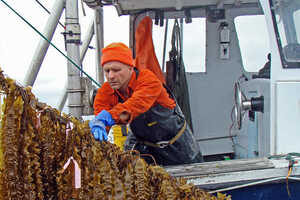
(69, 59)
(61, 24)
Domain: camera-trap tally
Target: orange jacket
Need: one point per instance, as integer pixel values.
(143, 93)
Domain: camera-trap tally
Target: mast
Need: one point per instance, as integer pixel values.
(98, 26)
(74, 88)
(84, 47)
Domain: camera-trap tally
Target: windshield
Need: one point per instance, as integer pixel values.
(287, 16)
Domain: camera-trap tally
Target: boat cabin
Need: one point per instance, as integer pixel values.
(237, 78)
(241, 63)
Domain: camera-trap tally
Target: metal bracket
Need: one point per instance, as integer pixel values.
(87, 96)
(188, 18)
(74, 90)
(163, 144)
(72, 33)
(214, 14)
(75, 105)
(93, 3)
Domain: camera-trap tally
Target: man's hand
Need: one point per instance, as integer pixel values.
(98, 130)
(99, 123)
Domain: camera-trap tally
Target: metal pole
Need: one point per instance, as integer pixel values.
(63, 98)
(95, 27)
(181, 38)
(87, 40)
(98, 26)
(165, 44)
(43, 45)
(72, 42)
(84, 47)
(132, 34)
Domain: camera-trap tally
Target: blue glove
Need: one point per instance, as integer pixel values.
(98, 130)
(99, 123)
(106, 118)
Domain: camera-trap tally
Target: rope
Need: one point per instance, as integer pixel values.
(289, 156)
(49, 12)
(69, 59)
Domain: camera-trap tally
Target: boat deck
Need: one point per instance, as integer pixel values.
(214, 175)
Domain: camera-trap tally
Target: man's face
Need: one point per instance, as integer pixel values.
(117, 74)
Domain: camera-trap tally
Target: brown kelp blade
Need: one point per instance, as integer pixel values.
(45, 154)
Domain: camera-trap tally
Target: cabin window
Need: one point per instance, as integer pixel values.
(281, 30)
(297, 25)
(254, 44)
(158, 34)
(194, 43)
(287, 21)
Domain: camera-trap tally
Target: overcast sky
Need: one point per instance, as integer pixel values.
(18, 43)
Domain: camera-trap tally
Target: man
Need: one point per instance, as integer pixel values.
(138, 98)
(265, 71)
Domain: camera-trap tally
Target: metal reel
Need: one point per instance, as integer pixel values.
(241, 103)
(238, 104)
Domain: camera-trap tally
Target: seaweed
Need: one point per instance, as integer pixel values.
(45, 154)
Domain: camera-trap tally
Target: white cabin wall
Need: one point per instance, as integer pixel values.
(284, 105)
(211, 93)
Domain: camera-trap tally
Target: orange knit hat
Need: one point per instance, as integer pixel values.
(117, 52)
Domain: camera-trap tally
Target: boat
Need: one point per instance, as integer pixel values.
(244, 109)
(241, 66)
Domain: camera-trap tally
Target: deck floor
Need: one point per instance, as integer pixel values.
(217, 167)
